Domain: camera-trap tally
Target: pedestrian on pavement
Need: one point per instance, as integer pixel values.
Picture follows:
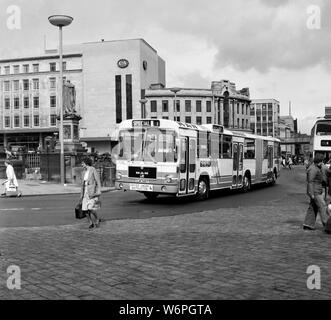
(11, 181)
(290, 163)
(315, 191)
(90, 192)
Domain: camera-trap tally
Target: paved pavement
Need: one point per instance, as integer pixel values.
(39, 187)
(259, 252)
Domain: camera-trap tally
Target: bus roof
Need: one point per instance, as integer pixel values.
(176, 125)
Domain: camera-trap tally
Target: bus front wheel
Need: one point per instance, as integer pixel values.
(151, 195)
(203, 189)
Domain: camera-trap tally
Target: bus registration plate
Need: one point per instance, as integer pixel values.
(141, 187)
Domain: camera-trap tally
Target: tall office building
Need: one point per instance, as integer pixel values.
(264, 117)
(110, 78)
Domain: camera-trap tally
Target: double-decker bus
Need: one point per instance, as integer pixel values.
(159, 156)
(320, 138)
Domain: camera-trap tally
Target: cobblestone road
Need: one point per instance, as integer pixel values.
(255, 253)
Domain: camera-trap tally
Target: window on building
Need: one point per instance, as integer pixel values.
(177, 119)
(53, 120)
(177, 105)
(36, 120)
(26, 121)
(16, 121)
(188, 119)
(242, 123)
(7, 86)
(237, 123)
(199, 120)
(165, 117)
(165, 107)
(237, 108)
(270, 118)
(187, 106)
(118, 97)
(128, 88)
(36, 102)
(258, 118)
(52, 100)
(64, 65)
(16, 69)
(7, 103)
(35, 84)
(25, 68)
(208, 106)
(16, 85)
(25, 84)
(246, 123)
(52, 66)
(26, 102)
(242, 108)
(35, 67)
(153, 106)
(52, 83)
(247, 109)
(16, 103)
(7, 70)
(7, 122)
(198, 105)
(264, 118)
(209, 119)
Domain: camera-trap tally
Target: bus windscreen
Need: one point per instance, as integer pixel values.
(323, 128)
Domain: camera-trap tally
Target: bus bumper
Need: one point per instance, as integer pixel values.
(146, 187)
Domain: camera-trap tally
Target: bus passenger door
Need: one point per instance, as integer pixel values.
(238, 166)
(192, 166)
(270, 158)
(187, 165)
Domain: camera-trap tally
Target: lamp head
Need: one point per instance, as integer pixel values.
(60, 20)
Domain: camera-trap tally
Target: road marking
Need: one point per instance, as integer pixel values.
(12, 209)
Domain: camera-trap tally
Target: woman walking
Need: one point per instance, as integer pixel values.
(90, 193)
(11, 181)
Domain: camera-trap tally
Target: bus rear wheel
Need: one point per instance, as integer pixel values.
(203, 189)
(151, 195)
(246, 183)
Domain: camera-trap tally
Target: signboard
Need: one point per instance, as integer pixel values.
(145, 123)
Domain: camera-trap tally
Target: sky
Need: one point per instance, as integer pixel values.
(280, 49)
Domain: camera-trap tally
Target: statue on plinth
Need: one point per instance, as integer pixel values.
(69, 98)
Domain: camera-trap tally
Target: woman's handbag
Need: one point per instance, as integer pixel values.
(79, 213)
(11, 191)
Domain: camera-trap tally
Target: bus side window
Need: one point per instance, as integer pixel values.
(227, 146)
(215, 144)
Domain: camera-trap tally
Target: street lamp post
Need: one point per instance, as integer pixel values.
(143, 109)
(175, 91)
(61, 21)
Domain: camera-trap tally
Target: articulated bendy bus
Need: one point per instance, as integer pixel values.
(159, 156)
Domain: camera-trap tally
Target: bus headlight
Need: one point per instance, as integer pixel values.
(118, 176)
(168, 179)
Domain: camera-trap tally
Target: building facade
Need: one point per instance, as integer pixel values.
(221, 104)
(109, 76)
(264, 117)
